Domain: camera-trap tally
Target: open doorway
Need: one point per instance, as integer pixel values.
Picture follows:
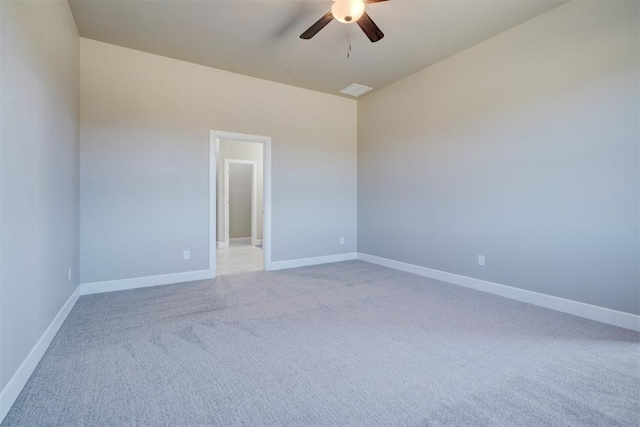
(240, 247)
(240, 203)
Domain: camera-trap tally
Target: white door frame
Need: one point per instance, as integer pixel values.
(254, 198)
(214, 149)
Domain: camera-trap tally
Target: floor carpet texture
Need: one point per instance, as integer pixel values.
(349, 343)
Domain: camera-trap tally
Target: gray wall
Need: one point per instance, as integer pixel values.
(39, 154)
(240, 150)
(145, 122)
(240, 178)
(523, 148)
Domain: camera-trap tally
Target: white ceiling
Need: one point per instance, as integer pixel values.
(260, 38)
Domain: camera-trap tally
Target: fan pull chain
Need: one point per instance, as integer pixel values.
(349, 51)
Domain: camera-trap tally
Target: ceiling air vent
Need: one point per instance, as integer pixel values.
(355, 90)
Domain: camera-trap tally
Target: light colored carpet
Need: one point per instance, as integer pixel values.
(342, 344)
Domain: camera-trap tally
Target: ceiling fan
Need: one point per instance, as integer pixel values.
(348, 11)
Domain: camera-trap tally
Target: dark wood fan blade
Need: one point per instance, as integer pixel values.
(370, 28)
(315, 28)
(374, 1)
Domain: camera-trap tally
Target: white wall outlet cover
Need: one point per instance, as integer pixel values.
(481, 260)
(186, 254)
(342, 240)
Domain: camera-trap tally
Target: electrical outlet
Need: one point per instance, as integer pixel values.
(342, 240)
(186, 254)
(481, 260)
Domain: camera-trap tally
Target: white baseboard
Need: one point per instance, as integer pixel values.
(17, 382)
(223, 245)
(144, 282)
(303, 262)
(588, 311)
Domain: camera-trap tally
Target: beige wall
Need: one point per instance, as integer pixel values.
(240, 151)
(524, 149)
(39, 164)
(145, 122)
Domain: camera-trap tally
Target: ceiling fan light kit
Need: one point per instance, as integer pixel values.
(348, 12)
